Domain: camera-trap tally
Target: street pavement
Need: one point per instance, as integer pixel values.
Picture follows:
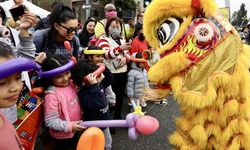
(157, 141)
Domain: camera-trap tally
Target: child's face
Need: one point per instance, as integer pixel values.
(142, 65)
(62, 80)
(97, 59)
(10, 88)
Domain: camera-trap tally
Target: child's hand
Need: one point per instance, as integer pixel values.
(76, 127)
(112, 104)
(92, 78)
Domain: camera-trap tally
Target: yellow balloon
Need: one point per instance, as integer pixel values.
(91, 139)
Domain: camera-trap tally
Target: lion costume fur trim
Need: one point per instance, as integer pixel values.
(215, 106)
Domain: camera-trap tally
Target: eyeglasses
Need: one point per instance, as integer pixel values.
(69, 30)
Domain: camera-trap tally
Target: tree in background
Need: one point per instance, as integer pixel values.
(125, 8)
(239, 18)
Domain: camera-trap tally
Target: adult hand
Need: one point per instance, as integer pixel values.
(122, 62)
(76, 127)
(125, 46)
(28, 20)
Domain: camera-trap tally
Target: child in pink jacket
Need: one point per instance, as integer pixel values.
(62, 108)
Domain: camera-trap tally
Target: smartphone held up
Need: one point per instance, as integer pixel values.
(17, 12)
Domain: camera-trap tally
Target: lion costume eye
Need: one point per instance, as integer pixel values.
(168, 29)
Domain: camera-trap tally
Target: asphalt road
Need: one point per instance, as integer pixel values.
(157, 141)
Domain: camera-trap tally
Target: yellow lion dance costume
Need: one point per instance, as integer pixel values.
(206, 64)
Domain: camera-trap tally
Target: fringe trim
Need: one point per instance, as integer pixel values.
(219, 79)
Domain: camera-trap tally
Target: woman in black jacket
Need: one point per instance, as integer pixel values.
(87, 32)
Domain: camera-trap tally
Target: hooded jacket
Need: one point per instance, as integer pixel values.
(137, 81)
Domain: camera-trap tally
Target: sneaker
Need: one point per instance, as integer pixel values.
(163, 102)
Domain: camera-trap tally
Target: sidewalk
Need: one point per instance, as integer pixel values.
(157, 141)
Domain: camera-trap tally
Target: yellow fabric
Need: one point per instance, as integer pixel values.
(129, 32)
(213, 93)
(221, 59)
(99, 29)
(94, 52)
(170, 67)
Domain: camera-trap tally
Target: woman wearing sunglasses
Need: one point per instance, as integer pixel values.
(63, 28)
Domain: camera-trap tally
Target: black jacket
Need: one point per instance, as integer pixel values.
(94, 103)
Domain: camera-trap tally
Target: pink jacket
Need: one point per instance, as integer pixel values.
(61, 108)
(9, 139)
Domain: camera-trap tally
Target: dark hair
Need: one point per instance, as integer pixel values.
(5, 50)
(109, 23)
(54, 61)
(55, 4)
(51, 62)
(60, 14)
(82, 69)
(84, 35)
(92, 47)
(2, 14)
(138, 55)
(138, 27)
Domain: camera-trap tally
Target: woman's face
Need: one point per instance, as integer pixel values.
(115, 29)
(68, 29)
(62, 80)
(91, 27)
(10, 88)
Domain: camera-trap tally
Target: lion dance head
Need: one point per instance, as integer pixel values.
(206, 64)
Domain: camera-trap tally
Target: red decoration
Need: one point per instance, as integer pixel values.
(38, 90)
(67, 45)
(192, 57)
(73, 59)
(196, 4)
